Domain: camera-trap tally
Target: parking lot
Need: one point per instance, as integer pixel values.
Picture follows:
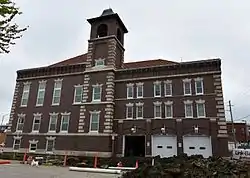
(26, 171)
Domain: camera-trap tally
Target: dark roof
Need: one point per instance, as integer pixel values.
(107, 12)
(71, 61)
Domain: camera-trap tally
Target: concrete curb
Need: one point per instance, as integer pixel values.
(5, 162)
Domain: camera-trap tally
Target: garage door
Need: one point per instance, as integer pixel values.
(197, 145)
(165, 146)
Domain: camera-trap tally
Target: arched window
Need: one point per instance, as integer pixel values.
(119, 34)
(102, 30)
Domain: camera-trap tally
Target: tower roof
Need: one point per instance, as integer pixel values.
(107, 14)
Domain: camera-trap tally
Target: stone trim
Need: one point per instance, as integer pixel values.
(33, 141)
(198, 79)
(168, 82)
(50, 138)
(168, 102)
(58, 80)
(17, 137)
(157, 82)
(188, 102)
(21, 115)
(186, 80)
(130, 104)
(139, 104)
(81, 122)
(157, 103)
(200, 101)
(37, 114)
(139, 84)
(42, 81)
(65, 113)
(53, 114)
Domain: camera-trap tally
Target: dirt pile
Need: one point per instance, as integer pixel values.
(191, 167)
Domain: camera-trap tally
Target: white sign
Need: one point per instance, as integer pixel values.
(241, 153)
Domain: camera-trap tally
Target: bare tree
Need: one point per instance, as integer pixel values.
(9, 31)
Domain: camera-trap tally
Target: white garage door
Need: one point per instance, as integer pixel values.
(197, 145)
(165, 146)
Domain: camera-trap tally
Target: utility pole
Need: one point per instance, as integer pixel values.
(232, 120)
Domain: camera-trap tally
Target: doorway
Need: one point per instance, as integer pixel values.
(134, 146)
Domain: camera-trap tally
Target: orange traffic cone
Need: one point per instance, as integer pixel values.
(136, 164)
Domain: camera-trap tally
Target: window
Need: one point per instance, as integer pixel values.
(33, 145)
(130, 90)
(36, 122)
(199, 86)
(65, 122)
(129, 110)
(94, 121)
(200, 106)
(188, 109)
(20, 122)
(53, 122)
(169, 109)
(25, 95)
(99, 62)
(41, 93)
(50, 144)
(139, 90)
(187, 87)
(57, 92)
(157, 110)
(168, 88)
(157, 89)
(139, 110)
(16, 143)
(78, 94)
(97, 91)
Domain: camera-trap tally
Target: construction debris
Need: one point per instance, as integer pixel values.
(191, 167)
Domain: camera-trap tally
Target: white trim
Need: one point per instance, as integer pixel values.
(130, 105)
(28, 84)
(187, 81)
(130, 86)
(188, 102)
(14, 142)
(168, 82)
(50, 138)
(19, 116)
(17, 137)
(37, 114)
(200, 101)
(199, 79)
(75, 88)
(39, 117)
(155, 84)
(99, 60)
(171, 107)
(62, 115)
(57, 81)
(137, 89)
(157, 103)
(51, 115)
(53, 148)
(192, 112)
(204, 107)
(39, 90)
(97, 85)
(91, 117)
(32, 142)
(93, 93)
(137, 106)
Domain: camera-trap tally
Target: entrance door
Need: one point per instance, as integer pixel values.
(134, 146)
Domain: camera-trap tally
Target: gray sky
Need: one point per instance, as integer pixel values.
(168, 29)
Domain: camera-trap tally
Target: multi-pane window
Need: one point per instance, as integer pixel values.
(129, 110)
(25, 95)
(20, 122)
(57, 92)
(168, 88)
(97, 92)
(157, 89)
(36, 122)
(139, 110)
(130, 90)
(199, 86)
(33, 146)
(17, 144)
(94, 121)
(65, 122)
(41, 93)
(139, 90)
(78, 94)
(200, 106)
(99, 62)
(188, 109)
(187, 87)
(50, 144)
(157, 110)
(53, 122)
(169, 109)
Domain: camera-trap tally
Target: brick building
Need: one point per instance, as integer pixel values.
(97, 103)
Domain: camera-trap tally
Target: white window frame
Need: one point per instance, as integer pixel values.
(202, 86)
(168, 103)
(19, 117)
(75, 94)
(189, 81)
(93, 92)
(155, 84)
(156, 104)
(63, 115)
(47, 143)
(59, 82)
(130, 86)
(202, 102)
(138, 86)
(37, 116)
(33, 142)
(188, 102)
(102, 60)
(40, 90)
(129, 105)
(25, 91)
(51, 115)
(91, 119)
(166, 84)
(137, 109)
(14, 143)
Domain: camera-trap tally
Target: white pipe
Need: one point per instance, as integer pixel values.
(122, 168)
(97, 170)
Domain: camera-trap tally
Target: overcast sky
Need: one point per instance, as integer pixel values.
(169, 29)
